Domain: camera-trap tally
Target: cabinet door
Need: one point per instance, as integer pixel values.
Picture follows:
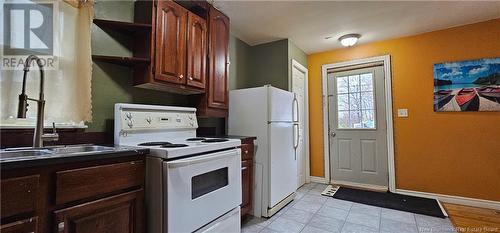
(246, 184)
(23, 226)
(170, 51)
(119, 214)
(218, 60)
(196, 51)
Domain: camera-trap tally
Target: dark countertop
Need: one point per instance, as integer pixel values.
(52, 159)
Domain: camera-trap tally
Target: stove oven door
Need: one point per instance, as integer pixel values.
(201, 188)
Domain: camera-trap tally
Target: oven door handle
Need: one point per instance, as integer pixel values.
(199, 159)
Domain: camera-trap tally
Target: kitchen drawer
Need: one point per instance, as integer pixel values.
(246, 151)
(26, 225)
(72, 185)
(19, 195)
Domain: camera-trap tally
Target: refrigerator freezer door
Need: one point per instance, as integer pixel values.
(280, 105)
(283, 169)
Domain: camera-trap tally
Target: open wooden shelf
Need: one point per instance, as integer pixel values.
(126, 27)
(124, 61)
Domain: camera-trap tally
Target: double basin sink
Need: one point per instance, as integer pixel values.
(35, 153)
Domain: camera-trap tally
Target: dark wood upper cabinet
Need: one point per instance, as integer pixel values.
(218, 71)
(180, 46)
(170, 49)
(196, 51)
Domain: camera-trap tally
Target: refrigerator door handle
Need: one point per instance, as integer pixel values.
(295, 136)
(295, 108)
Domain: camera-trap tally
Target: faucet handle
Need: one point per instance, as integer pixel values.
(54, 131)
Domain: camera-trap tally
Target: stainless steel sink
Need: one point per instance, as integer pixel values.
(56, 151)
(25, 153)
(80, 149)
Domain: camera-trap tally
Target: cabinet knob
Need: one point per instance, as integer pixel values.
(190, 78)
(60, 226)
(246, 151)
(181, 76)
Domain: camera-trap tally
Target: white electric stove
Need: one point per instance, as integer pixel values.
(193, 184)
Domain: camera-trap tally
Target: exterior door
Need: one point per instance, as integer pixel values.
(218, 59)
(299, 87)
(197, 51)
(170, 54)
(357, 127)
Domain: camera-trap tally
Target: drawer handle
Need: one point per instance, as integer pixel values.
(181, 76)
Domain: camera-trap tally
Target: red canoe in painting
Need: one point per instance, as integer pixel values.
(465, 95)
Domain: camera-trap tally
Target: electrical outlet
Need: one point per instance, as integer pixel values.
(402, 112)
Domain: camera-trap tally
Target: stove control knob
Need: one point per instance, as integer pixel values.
(192, 124)
(190, 117)
(149, 120)
(130, 124)
(129, 115)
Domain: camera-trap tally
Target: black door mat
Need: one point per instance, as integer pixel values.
(417, 205)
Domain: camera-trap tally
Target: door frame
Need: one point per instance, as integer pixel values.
(302, 68)
(386, 59)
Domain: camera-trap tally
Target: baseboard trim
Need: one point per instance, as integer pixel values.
(317, 179)
(454, 199)
(359, 185)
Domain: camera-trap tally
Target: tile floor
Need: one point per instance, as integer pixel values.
(311, 212)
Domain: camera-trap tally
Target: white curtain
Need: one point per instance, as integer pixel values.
(68, 88)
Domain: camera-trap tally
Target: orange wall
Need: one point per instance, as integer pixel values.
(454, 153)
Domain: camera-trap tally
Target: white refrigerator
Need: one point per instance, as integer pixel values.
(270, 114)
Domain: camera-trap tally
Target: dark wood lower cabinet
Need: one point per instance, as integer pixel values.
(117, 213)
(247, 184)
(247, 154)
(98, 196)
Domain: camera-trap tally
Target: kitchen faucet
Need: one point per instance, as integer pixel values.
(38, 136)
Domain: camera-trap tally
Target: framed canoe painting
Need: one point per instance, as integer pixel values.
(467, 86)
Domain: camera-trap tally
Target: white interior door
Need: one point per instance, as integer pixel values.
(357, 127)
(299, 87)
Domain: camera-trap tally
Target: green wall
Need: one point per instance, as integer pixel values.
(239, 55)
(297, 54)
(270, 63)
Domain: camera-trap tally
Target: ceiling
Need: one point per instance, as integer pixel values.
(307, 23)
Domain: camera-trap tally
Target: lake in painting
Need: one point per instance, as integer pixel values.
(467, 85)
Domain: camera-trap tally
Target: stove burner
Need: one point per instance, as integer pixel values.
(154, 143)
(173, 145)
(195, 139)
(215, 140)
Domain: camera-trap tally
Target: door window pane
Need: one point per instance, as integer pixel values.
(343, 102)
(366, 82)
(368, 120)
(354, 83)
(342, 85)
(209, 182)
(356, 102)
(355, 119)
(367, 100)
(343, 118)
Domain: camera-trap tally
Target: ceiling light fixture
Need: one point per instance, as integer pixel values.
(349, 39)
